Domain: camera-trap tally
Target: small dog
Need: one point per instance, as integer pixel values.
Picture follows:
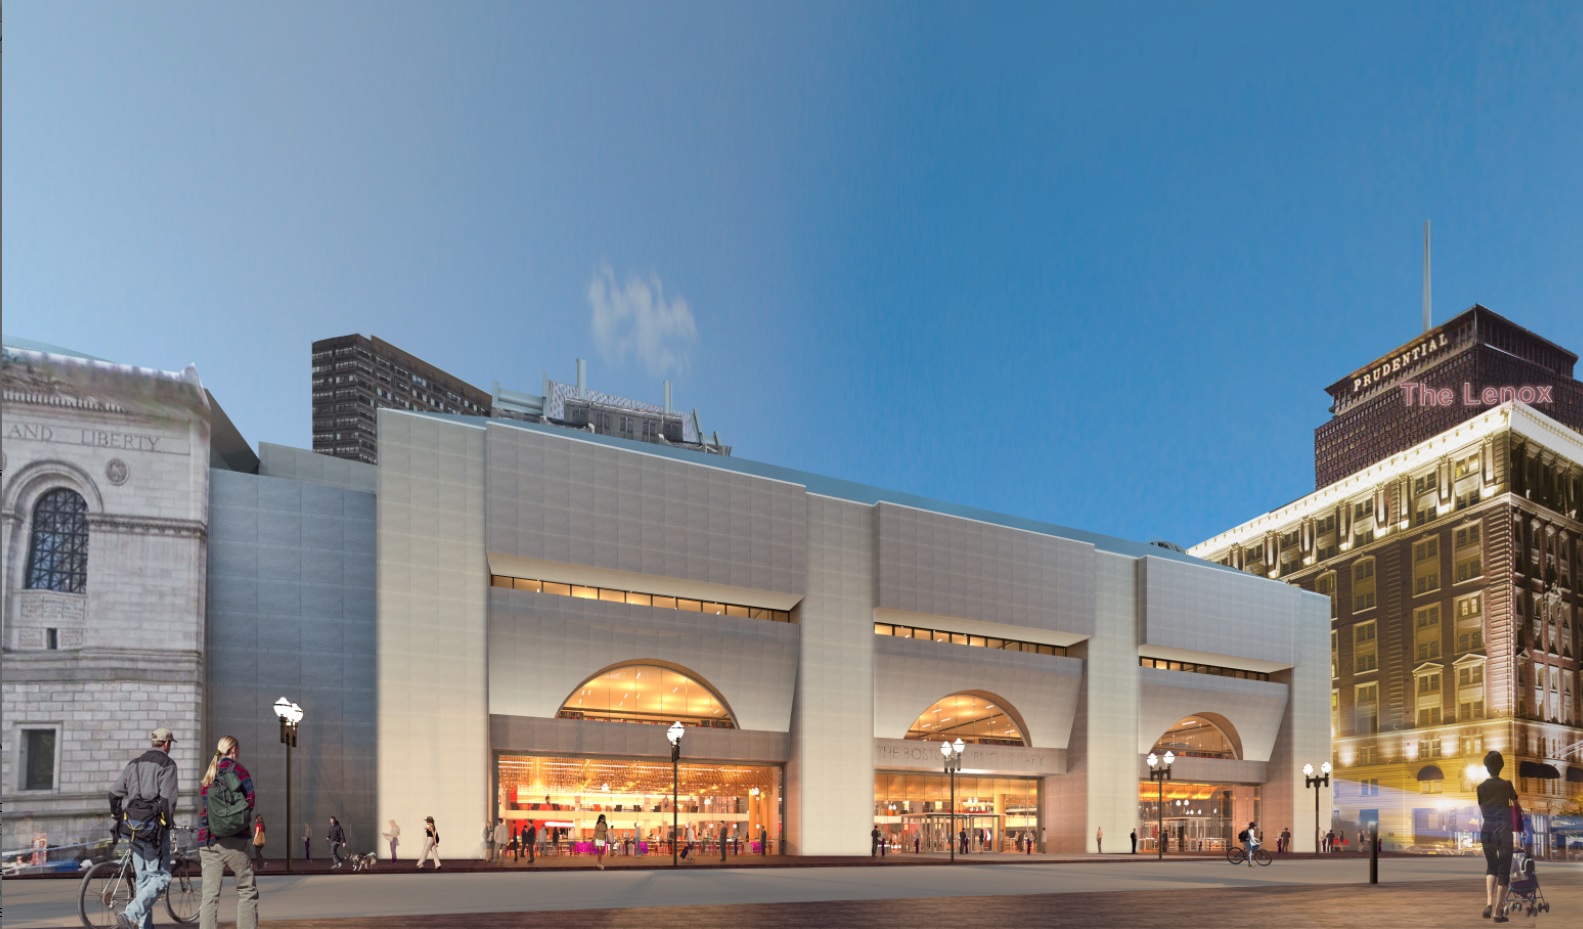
(365, 862)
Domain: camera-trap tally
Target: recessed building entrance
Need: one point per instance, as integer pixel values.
(1198, 817)
(913, 812)
(568, 793)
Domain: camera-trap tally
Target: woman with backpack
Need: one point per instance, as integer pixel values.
(224, 823)
(258, 842)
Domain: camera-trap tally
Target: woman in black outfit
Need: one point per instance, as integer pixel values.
(1497, 806)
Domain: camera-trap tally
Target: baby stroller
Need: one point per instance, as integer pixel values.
(1525, 892)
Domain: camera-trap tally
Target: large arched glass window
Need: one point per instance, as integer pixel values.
(1196, 737)
(969, 717)
(644, 693)
(58, 556)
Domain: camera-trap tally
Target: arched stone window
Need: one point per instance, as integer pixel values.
(58, 553)
(1199, 737)
(648, 693)
(971, 717)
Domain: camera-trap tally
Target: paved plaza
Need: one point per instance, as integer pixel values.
(1113, 891)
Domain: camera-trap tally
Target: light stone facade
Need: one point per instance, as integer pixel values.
(104, 666)
(470, 670)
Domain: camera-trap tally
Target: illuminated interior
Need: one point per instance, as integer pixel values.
(640, 693)
(968, 717)
(1195, 737)
(913, 811)
(635, 795)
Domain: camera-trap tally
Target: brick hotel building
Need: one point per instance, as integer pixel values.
(1448, 539)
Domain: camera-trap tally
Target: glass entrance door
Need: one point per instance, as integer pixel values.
(935, 833)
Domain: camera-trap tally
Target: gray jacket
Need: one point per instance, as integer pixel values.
(150, 778)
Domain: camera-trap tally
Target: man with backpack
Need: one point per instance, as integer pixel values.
(143, 805)
(225, 836)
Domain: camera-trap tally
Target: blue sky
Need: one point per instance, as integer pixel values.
(1082, 264)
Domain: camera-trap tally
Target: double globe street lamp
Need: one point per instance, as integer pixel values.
(1160, 772)
(674, 733)
(290, 715)
(1317, 784)
(952, 753)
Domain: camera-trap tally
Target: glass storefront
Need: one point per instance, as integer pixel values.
(1198, 817)
(913, 812)
(567, 794)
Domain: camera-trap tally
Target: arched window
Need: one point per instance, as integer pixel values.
(1196, 737)
(969, 717)
(58, 557)
(647, 693)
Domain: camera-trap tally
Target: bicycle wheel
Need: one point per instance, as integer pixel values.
(1234, 854)
(185, 892)
(106, 890)
(1262, 858)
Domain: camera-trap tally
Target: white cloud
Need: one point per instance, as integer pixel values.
(637, 321)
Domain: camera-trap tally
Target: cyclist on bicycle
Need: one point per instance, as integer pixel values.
(1252, 842)
(143, 804)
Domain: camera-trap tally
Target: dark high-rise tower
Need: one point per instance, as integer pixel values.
(1380, 409)
(354, 375)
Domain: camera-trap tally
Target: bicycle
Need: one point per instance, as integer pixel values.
(110, 885)
(1236, 854)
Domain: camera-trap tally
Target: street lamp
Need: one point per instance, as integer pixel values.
(952, 753)
(290, 715)
(1160, 772)
(1323, 780)
(674, 733)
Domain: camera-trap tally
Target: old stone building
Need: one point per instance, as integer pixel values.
(104, 502)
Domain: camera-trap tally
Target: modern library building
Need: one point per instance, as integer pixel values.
(551, 603)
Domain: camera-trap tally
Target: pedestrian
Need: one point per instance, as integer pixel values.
(530, 838)
(601, 839)
(225, 798)
(489, 842)
(394, 838)
(1502, 816)
(1099, 840)
(764, 842)
(873, 842)
(337, 839)
(431, 843)
(1286, 840)
(1134, 838)
(917, 843)
(962, 837)
(143, 805)
(307, 842)
(502, 837)
(258, 842)
(1028, 837)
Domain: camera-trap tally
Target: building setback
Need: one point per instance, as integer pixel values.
(1451, 565)
(354, 376)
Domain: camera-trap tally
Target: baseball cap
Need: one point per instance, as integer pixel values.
(162, 734)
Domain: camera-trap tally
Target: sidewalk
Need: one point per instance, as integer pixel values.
(1430, 905)
(652, 862)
